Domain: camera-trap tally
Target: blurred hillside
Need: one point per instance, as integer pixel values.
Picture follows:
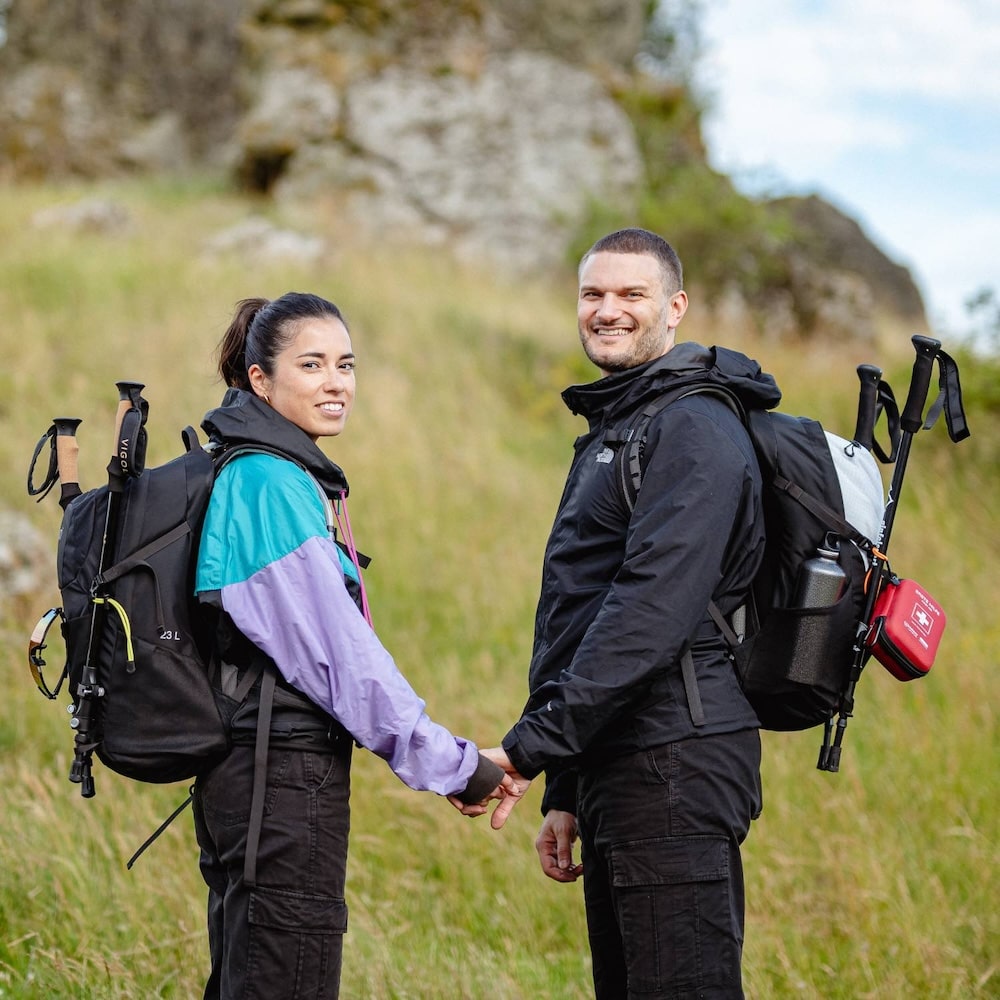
(507, 132)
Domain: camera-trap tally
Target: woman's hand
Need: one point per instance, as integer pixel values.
(509, 792)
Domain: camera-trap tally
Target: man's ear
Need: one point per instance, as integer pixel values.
(678, 306)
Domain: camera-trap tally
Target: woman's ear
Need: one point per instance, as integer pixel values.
(259, 382)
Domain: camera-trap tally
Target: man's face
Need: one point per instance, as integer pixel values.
(626, 316)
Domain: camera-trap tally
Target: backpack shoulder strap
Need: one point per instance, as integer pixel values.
(630, 462)
(225, 456)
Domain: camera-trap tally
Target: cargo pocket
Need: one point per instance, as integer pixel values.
(296, 944)
(679, 925)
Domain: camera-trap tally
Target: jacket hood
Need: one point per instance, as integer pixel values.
(245, 419)
(687, 363)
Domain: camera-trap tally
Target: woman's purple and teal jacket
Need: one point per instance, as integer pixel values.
(268, 559)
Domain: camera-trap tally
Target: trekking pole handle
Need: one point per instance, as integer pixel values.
(67, 449)
(864, 430)
(127, 393)
(129, 398)
(923, 366)
(67, 458)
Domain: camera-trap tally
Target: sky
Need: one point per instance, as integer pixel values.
(889, 109)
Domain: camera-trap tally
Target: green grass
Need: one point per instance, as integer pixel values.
(879, 881)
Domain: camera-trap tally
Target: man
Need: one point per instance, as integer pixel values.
(651, 756)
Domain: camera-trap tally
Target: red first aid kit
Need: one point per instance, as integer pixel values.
(905, 630)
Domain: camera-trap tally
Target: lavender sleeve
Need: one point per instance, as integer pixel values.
(283, 585)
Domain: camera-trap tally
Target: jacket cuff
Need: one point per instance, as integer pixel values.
(560, 791)
(512, 747)
(485, 778)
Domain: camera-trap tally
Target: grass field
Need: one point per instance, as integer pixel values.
(877, 882)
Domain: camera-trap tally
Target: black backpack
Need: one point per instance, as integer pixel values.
(793, 662)
(141, 664)
(139, 661)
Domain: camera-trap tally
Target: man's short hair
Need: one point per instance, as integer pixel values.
(642, 241)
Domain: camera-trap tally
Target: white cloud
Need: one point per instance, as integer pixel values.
(889, 107)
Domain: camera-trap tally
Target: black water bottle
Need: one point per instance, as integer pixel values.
(821, 580)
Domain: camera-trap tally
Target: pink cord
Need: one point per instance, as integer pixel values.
(345, 530)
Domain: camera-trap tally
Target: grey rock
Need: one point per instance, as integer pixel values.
(501, 163)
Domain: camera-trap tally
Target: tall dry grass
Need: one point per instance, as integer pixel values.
(876, 882)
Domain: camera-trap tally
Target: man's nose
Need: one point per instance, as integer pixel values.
(609, 306)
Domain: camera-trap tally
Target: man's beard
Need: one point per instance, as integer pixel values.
(649, 345)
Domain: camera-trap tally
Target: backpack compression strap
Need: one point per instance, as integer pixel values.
(765, 444)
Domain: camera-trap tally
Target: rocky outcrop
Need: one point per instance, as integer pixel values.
(485, 126)
(497, 164)
(834, 242)
(464, 124)
(480, 124)
(91, 87)
(25, 559)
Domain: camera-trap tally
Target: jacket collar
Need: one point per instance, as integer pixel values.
(245, 419)
(618, 390)
(686, 363)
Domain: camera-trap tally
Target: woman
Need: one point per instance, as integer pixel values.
(293, 629)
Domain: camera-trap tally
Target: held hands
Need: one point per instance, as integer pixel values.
(510, 791)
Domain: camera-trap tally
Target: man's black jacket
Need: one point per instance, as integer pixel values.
(624, 594)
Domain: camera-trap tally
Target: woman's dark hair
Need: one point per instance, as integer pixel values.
(261, 329)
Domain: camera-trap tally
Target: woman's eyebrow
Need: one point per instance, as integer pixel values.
(349, 356)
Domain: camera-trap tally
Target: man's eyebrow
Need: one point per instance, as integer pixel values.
(639, 286)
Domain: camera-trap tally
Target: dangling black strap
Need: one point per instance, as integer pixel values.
(691, 689)
(732, 639)
(51, 473)
(242, 690)
(886, 403)
(259, 777)
(149, 840)
(949, 400)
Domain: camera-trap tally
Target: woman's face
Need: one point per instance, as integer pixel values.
(313, 380)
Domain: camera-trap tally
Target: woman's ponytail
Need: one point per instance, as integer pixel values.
(233, 362)
(262, 328)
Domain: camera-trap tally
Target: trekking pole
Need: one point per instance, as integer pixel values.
(67, 459)
(89, 689)
(910, 422)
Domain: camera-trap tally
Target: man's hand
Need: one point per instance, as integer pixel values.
(510, 791)
(555, 846)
